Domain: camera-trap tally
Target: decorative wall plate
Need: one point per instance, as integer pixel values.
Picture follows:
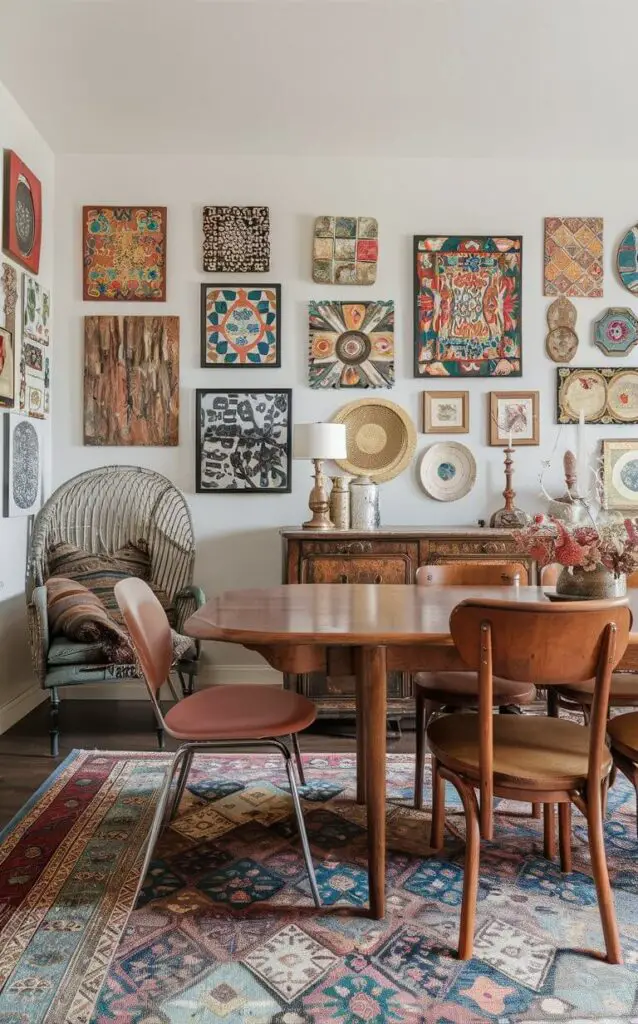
(380, 438)
(561, 344)
(616, 332)
(561, 313)
(447, 471)
(605, 394)
(627, 260)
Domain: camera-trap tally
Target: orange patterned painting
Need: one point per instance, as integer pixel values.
(574, 256)
(124, 253)
(131, 380)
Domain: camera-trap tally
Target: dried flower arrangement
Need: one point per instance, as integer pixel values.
(610, 545)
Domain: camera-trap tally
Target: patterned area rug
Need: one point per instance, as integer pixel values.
(225, 930)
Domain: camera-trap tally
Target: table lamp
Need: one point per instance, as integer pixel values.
(319, 441)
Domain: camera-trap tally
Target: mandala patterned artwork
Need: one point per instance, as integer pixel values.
(345, 250)
(236, 239)
(574, 256)
(351, 344)
(243, 441)
(467, 318)
(241, 325)
(36, 310)
(131, 380)
(23, 466)
(124, 253)
(224, 929)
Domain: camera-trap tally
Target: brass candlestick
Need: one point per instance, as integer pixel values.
(318, 502)
(509, 515)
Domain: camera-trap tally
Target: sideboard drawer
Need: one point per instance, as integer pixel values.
(356, 569)
(438, 550)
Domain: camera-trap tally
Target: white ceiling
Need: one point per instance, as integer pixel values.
(539, 78)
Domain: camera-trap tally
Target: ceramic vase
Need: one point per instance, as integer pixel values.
(596, 585)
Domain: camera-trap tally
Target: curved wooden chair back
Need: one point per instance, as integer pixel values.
(473, 574)
(540, 642)
(149, 630)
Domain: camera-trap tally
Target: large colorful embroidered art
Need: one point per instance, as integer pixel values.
(241, 325)
(351, 344)
(131, 380)
(22, 227)
(124, 253)
(574, 256)
(467, 317)
(345, 250)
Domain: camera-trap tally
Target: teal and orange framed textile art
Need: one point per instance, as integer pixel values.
(241, 325)
(467, 305)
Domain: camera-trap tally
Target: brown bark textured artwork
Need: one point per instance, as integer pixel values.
(131, 380)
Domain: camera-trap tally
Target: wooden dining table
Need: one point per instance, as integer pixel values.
(365, 630)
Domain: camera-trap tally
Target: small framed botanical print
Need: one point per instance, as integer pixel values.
(620, 474)
(514, 418)
(446, 412)
(243, 441)
(241, 325)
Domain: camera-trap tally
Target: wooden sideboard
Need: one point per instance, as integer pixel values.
(388, 555)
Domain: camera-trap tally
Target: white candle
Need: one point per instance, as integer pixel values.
(509, 440)
(581, 455)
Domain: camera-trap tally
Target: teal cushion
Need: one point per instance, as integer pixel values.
(72, 652)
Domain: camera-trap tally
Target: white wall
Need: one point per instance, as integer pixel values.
(237, 536)
(18, 690)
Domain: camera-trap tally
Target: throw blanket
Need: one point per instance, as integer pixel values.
(78, 614)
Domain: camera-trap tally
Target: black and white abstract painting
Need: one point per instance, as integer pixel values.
(22, 465)
(243, 441)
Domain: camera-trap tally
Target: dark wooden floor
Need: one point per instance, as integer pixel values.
(113, 725)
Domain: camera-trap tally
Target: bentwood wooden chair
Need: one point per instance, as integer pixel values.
(579, 696)
(458, 690)
(524, 757)
(623, 736)
(235, 716)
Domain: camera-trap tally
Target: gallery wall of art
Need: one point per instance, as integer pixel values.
(18, 690)
(236, 533)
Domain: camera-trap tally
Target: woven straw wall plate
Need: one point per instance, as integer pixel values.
(380, 438)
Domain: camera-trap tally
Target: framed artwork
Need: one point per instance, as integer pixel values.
(236, 239)
(131, 380)
(22, 465)
(241, 325)
(514, 414)
(467, 306)
(446, 412)
(244, 441)
(604, 394)
(124, 253)
(34, 379)
(574, 256)
(7, 369)
(22, 221)
(620, 475)
(36, 310)
(616, 332)
(9, 298)
(351, 344)
(345, 250)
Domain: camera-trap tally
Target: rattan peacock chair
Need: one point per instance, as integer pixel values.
(100, 511)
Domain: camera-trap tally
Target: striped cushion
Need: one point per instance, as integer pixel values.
(78, 614)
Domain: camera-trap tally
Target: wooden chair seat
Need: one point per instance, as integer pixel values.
(623, 733)
(530, 753)
(460, 689)
(623, 692)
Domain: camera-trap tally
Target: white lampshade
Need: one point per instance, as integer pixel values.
(319, 441)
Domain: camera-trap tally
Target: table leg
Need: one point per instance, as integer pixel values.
(373, 681)
(360, 698)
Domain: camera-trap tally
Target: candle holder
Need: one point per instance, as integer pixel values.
(509, 516)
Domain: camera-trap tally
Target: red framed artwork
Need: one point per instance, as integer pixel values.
(22, 230)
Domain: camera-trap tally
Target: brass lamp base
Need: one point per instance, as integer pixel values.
(318, 502)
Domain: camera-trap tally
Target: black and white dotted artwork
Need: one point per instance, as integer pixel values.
(236, 239)
(23, 466)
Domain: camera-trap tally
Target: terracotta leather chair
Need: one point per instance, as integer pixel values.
(234, 716)
(435, 690)
(527, 757)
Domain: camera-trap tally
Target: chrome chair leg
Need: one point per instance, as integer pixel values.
(301, 825)
(160, 812)
(181, 784)
(295, 746)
